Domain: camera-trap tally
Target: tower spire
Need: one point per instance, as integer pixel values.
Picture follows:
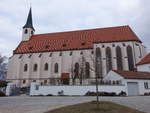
(29, 20)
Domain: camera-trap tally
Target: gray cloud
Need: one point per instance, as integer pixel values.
(64, 15)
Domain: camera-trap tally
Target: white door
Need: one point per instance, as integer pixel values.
(133, 88)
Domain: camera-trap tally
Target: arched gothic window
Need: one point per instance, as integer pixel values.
(26, 31)
(25, 67)
(130, 58)
(46, 67)
(35, 67)
(56, 68)
(87, 70)
(108, 59)
(98, 63)
(119, 58)
(76, 70)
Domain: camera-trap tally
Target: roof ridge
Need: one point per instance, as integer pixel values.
(82, 30)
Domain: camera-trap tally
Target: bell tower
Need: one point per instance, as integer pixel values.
(28, 29)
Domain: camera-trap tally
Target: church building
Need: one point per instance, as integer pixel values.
(73, 57)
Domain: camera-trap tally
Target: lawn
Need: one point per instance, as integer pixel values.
(91, 107)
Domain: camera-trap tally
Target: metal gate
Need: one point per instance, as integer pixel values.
(133, 89)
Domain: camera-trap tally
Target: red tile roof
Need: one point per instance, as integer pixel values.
(74, 40)
(133, 74)
(145, 60)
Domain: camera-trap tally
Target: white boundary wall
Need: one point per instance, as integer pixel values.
(36, 89)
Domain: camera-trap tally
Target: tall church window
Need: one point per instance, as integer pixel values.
(108, 59)
(25, 67)
(76, 70)
(26, 31)
(35, 67)
(46, 67)
(87, 70)
(98, 63)
(56, 68)
(130, 58)
(119, 58)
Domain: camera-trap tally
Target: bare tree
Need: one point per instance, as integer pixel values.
(3, 67)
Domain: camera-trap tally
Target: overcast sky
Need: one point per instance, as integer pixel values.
(63, 15)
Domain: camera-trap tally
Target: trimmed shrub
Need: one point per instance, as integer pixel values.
(2, 94)
(101, 94)
(3, 84)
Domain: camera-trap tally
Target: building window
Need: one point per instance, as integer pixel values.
(31, 32)
(92, 52)
(98, 63)
(76, 70)
(35, 67)
(40, 55)
(113, 45)
(30, 56)
(46, 67)
(24, 81)
(87, 70)
(130, 58)
(108, 59)
(146, 85)
(20, 56)
(50, 55)
(25, 67)
(60, 54)
(26, 31)
(70, 53)
(119, 58)
(56, 68)
(124, 44)
(81, 53)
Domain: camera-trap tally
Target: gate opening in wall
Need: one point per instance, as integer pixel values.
(65, 78)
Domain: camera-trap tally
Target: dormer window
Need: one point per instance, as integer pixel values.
(47, 46)
(64, 45)
(83, 43)
(26, 31)
(30, 47)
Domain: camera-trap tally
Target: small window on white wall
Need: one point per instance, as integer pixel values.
(146, 85)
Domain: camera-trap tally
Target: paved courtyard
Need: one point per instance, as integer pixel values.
(24, 104)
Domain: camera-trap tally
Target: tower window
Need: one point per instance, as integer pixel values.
(26, 31)
(32, 32)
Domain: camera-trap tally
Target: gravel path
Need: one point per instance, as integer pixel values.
(24, 104)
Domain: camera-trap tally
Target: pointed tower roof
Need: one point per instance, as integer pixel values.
(29, 21)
